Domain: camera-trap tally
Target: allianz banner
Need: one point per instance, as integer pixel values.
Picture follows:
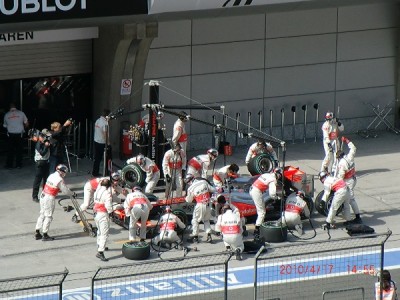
(163, 6)
(17, 11)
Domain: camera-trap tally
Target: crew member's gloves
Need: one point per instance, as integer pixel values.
(168, 178)
(74, 195)
(345, 140)
(276, 163)
(131, 160)
(183, 173)
(338, 122)
(330, 147)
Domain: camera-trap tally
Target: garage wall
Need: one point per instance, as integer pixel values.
(342, 56)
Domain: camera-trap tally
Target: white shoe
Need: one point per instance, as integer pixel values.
(299, 229)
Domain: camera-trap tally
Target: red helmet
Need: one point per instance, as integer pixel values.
(329, 115)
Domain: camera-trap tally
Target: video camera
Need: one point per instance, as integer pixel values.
(36, 135)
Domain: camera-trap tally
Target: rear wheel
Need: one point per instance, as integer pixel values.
(323, 206)
(260, 164)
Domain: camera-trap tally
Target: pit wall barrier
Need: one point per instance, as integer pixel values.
(345, 268)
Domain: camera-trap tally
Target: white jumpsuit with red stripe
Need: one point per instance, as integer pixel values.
(255, 149)
(265, 182)
(330, 134)
(200, 191)
(102, 208)
(168, 223)
(229, 224)
(221, 175)
(152, 174)
(294, 207)
(341, 196)
(199, 165)
(346, 170)
(173, 164)
(179, 134)
(137, 206)
(54, 184)
(389, 294)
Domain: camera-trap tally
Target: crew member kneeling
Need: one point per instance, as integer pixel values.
(229, 224)
(295, 206)
(168, 225)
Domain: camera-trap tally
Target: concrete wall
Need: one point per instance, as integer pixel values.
(342, 56)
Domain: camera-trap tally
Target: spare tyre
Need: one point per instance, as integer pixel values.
(260, 164)
(323, 206)
(133, 175)
(136, 250)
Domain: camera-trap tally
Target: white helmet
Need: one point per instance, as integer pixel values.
(140, 159)
(329, 115)
(213, 153)
(62, 169)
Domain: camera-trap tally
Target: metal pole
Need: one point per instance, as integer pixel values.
(294, 124)
(86, 137)
(271, 123)
(237, 128)
(214, 132)
(248, 125)
(260, 120)
(316, 106)
(304, 108)
(282, 122)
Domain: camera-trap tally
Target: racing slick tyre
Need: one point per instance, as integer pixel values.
(260, 164)
(136, 250)
(323, 206)
(273, 232)
(133, 175)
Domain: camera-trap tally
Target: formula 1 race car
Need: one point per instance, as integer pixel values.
(237, 193)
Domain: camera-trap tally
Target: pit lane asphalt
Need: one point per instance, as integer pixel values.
(377, 193)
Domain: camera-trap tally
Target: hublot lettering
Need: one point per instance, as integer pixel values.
(11, 7)
(16, 36)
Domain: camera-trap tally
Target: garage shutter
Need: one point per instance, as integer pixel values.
(45, 59)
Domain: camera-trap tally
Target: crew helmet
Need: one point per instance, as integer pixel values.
(168, 209)
(183, 116)
(62, 169)
(213, 153)
(136, 189)
(188, 178)
(116, 176)
(329, 115)
(177, 147)
(300, 194)
(262, 143)
(140, 159)
(221, 199)
(322, 176)
(234, 168)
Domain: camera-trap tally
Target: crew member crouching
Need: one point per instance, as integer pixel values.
(229, 224)
(295, 206)
(168, 225)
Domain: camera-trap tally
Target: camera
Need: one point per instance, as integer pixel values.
(36, 135)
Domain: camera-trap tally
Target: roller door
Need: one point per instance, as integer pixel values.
(46, 59)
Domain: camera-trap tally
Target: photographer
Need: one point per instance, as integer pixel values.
(57, 149)
(42, 165)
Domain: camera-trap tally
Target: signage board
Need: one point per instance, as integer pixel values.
(126, 86)
(18, 11)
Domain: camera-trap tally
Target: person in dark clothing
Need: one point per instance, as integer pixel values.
(57, 149)
(42, 166)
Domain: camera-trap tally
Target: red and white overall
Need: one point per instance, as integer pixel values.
(346, 170)
(137, 206)
(173, 163)
(54, 184)
(263, 183)
(294, 207)
(152, 174)
(341, 196)
(200, 191)
(330, 134)
(179, 134)
(168, 223)
(255, 149)
(199, 165)
(389, 294)
(102, 208)
(222, 174)
(229, 224)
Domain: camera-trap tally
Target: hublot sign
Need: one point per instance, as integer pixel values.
(16, 11)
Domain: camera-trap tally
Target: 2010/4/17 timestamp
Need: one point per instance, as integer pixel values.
(302, 269)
